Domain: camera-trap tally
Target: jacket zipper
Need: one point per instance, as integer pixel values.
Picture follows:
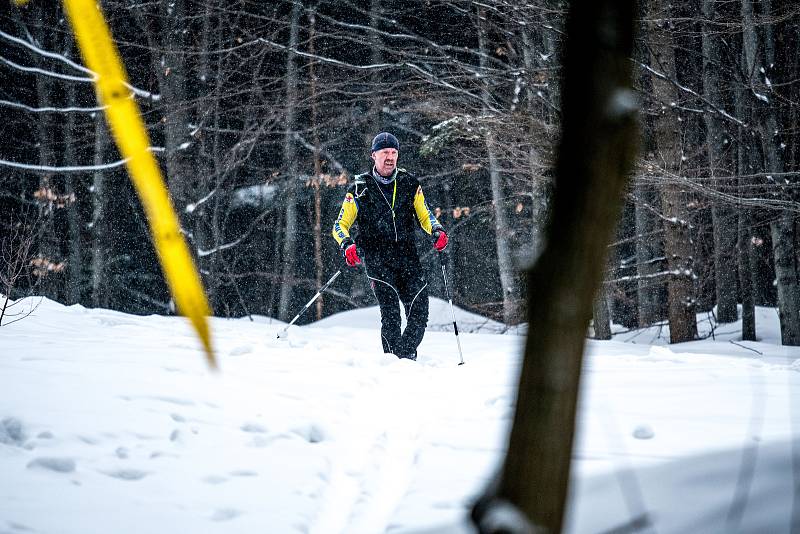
(391, 206)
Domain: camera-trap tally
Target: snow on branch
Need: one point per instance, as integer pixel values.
(716, 109)
(62, 58)
(377, 66)
(190, 208)
(304, 142)
(51, 109)
(43, 72)
(45, 53)
(203, 253)
(70, 168)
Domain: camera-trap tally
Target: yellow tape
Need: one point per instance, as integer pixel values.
(100, 53)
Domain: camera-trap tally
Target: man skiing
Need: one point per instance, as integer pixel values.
(386, 201)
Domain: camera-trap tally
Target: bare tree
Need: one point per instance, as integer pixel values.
(20, 268)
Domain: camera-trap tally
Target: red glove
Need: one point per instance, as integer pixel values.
(351, 256)
(439, 240)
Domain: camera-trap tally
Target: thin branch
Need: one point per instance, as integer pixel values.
(50, 109)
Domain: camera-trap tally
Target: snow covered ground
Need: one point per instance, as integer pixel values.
(111, 423)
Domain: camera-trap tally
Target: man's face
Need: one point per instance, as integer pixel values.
(385, 160)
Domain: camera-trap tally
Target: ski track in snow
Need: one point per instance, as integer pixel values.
(370, 472)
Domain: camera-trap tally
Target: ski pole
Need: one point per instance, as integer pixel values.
(452, 311)
(310, 302)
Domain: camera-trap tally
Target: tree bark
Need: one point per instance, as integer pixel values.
(649, 252)
(316, 181)
(601, 316)
(678, 245)
(783, 230)
(502, 225)
(540, 186)
(595, 158)
(745, 244)
(288, 272)
(101, 237)
(173, 78)
(48, 245)
(74, 199)
(719, 164)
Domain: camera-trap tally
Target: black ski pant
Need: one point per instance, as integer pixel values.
(396, 280)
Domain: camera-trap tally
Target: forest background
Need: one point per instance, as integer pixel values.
(261, 112)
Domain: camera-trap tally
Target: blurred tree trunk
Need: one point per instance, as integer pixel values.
(595, 158)
(502, 224)
(678, 245)
(289, 271)
(720, 163)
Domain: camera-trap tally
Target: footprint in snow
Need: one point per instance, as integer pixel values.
(643, 432)
(12, 432)
(253, 428)
(243, 473)
(215, 479)
(312, 432)
(225, 514)
(126, 474)
(19, 527)
(48, 463)
(241, 350)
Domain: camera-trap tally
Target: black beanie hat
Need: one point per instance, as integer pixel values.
(385, 140)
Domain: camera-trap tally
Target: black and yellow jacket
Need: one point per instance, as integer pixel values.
(385, 213)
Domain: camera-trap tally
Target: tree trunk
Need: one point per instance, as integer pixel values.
(540, 186)
(595, 158)
(647, 208)
(48, 246)
(289, 273)
(719, 164)
(678, 246)
(173, 77)
(787, 273)
(745, 243)
(601, 316)
(502, 225)
(649, 252)
(783, 229)
(74, 199)
(316, 181)
(100, 229)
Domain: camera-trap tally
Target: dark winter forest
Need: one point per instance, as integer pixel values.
(260, 114)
